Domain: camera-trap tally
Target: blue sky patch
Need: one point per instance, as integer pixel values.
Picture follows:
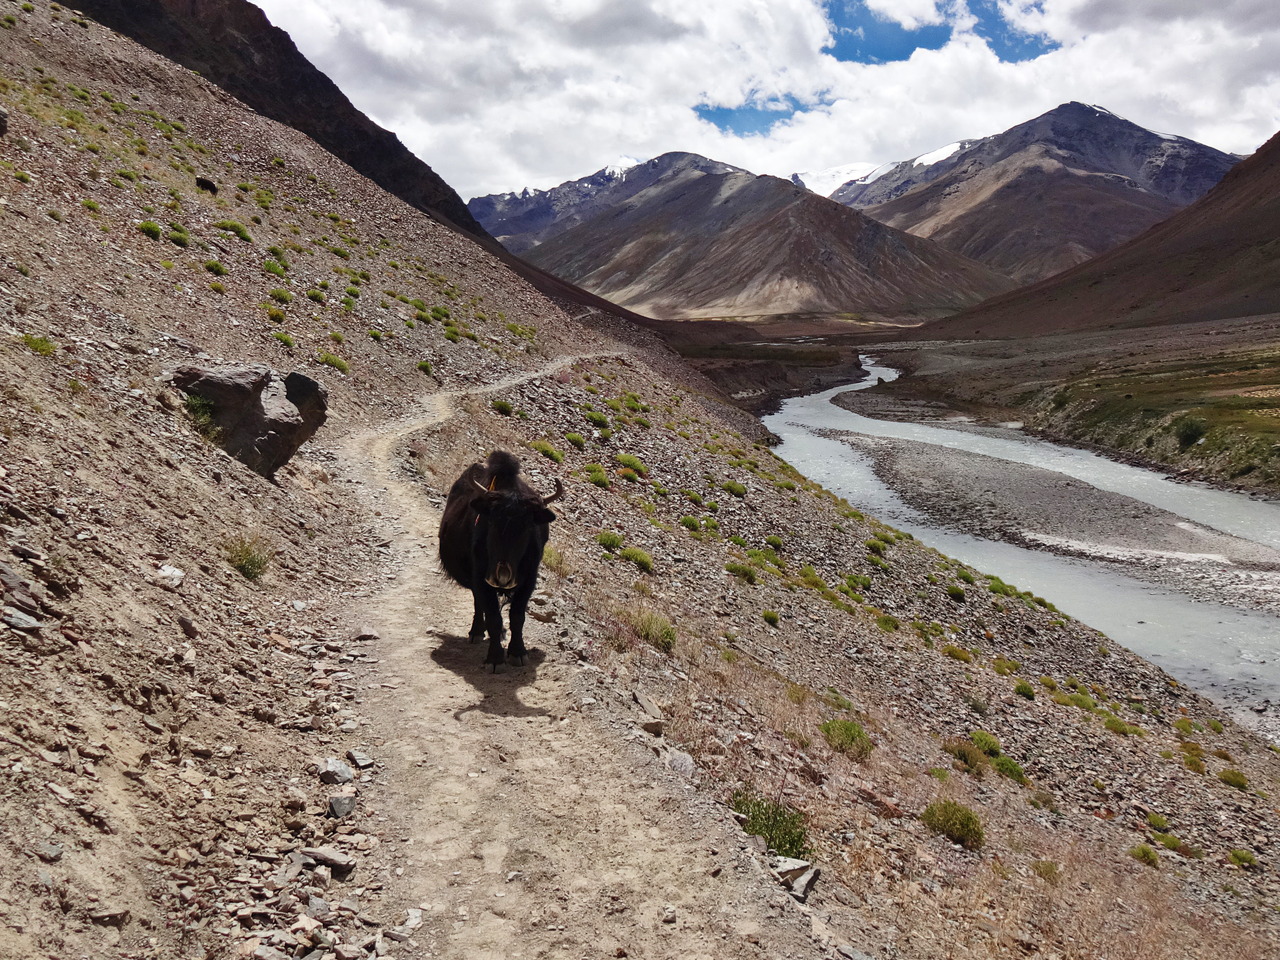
(862, 37)
(1011, 46)
(746, 120)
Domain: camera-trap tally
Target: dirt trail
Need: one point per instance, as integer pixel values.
(524, 827)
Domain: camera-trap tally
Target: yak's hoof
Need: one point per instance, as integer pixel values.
(473, 637)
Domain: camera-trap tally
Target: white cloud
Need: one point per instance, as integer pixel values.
(501, 94)
(911, 14)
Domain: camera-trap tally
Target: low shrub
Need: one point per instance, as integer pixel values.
(957, 653)
(985, 742)
(954, 821)
(1047, 870)
(969, 759)
(283, 337)
(1005, 667)
(1116, 725)
(1024, 689)
(956, 592)
(425, 366)
(503, 407)
(1234, 778)
(1145, 854)
(781, 828)
(1189, 430)
(1008, 767)
(41, 346)
(250, 555)
(888, 622)
(629, 461)
(231, 226)
(330, 360)
(575, 440)
(548, 451)
(770, 617)
(847, 737)
(1243, 858)
(611, 540)
(653, 628)
(734, 487)
(637, 556)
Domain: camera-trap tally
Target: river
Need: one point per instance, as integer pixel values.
(1231, 655)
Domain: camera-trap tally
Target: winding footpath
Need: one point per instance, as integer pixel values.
(522, 827)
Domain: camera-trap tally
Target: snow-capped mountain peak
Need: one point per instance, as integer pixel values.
(825, 182)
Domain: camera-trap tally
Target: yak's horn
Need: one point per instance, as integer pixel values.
(555, 496)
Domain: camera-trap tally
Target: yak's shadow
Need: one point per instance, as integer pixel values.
(499, 692)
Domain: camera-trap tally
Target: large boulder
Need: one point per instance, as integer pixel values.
(261, 416)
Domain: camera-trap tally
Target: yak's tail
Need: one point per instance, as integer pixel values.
(502, 468)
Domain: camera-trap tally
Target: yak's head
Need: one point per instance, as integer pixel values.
(514, 524)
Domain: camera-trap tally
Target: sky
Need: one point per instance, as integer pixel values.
(499, 95)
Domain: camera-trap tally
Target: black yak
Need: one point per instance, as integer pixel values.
(492, 534)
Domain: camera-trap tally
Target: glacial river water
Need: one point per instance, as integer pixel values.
(1229, 654)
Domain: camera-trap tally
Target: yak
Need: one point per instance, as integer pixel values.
(492, 534)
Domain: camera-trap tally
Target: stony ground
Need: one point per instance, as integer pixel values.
(311, 762)
(1039, 508)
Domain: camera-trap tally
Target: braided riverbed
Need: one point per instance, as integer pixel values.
(1185, 575)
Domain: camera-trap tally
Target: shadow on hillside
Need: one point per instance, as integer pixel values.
(499, 692)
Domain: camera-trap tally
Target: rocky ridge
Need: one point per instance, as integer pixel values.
(1044, 195)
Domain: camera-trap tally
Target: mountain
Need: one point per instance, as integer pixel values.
(233, 44)
(1215, 260)
(1044, 195)
(825, 182)
(521, 221)
(681, 241)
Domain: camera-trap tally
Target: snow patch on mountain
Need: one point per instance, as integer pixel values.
(937, 156)
(619, 168)
(826, 182)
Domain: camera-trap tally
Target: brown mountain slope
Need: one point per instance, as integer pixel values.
(1030, 215)
(1217, 259)
(232, 43)
(740, 245)
(1043, 195)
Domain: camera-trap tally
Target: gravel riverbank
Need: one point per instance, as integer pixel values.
(1044, 510)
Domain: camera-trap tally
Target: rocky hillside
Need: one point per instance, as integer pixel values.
(239, 717)
(524, 220)
(1044, 195)
(705, 244)
(232, 43)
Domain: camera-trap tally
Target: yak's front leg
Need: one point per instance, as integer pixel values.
(488, 611)
(516, 652)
